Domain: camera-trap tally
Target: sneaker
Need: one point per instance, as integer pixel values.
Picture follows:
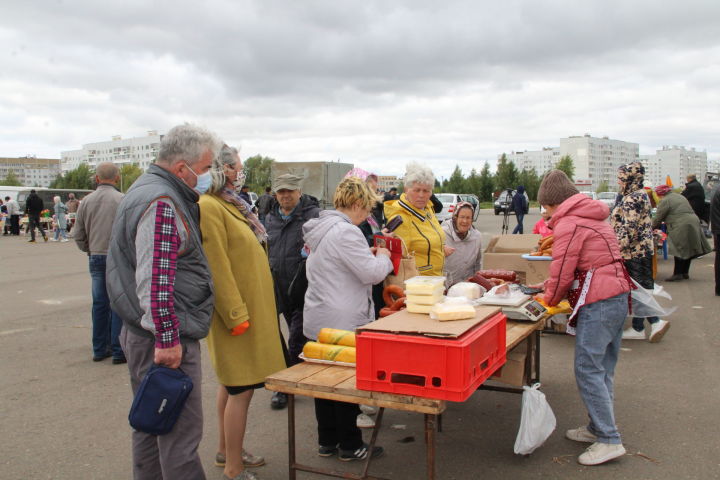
(368, 409)
(360, 454)
(278, 401)
(31, 240)
(245, 475)
(632, 334)
(686, 276)
(53, 239)
(581, 434)
(64, 240)
(364, 421)
(327, 451)
(658, 329)
(249, 460)
(598, 453)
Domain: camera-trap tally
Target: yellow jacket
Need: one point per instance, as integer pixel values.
(421, 233)
(243, 291)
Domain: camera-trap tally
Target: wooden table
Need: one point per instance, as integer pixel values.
(331, 382)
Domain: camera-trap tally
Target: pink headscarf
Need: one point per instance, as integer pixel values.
(361, 174)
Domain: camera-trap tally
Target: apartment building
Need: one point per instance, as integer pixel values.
(539, 160)
(677, 162)
(386, 182)
(140, 151)
(597, 159)
(30, 170)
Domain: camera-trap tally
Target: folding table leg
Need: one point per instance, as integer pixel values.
(430, 444)
(291, 437)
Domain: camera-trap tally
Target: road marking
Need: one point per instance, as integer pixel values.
(17, 330)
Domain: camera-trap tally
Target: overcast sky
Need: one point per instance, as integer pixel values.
(374, 83)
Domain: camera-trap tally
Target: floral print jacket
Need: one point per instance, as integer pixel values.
(631, 216)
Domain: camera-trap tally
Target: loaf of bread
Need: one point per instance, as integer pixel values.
(334, 336)
(337, 353)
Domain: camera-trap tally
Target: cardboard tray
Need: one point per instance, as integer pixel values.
(403, 322)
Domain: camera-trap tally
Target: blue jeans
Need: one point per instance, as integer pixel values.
(638, 323)
(519, 226)
(106, 323)
(597, 345)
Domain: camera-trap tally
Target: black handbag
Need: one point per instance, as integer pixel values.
(160, 399)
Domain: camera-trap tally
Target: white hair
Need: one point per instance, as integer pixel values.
(418, 173)
(187, 143)
(227, 156)
(56, 199)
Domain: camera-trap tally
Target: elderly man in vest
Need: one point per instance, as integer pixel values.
(160, 284)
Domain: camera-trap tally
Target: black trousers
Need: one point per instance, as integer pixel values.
(682, 266)
(34, 222)
(337, 424)
(716, 240)
(15, 224)
(297, 338)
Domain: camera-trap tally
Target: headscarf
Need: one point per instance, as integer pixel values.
(455, 215)
(632, 177)
(662, 190)
(231, 196)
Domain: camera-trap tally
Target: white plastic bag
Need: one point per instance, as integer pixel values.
(536, 423)
(645, 305)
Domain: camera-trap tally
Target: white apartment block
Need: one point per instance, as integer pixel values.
(713, 166)
(140, 151)
(539, 160)
(386, 182)
(677, 162)
(597, 159)
(30, 170)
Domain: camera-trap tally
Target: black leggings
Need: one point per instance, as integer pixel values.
(682, 266)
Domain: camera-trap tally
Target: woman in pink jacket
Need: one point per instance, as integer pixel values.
(588, 269)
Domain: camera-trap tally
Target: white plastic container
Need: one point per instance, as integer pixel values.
(424, 285)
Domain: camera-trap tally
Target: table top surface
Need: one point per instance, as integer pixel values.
(333, 382)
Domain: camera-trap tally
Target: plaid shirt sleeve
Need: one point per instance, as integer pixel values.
(166, 243)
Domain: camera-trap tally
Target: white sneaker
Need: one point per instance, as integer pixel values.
(53, 239)
(581, 434)
(598, 453)
(658, 329)
(363, 421)
(64, 240)
(632, 334)
(368, 409)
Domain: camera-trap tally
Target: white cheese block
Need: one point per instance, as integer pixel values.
(424, 285)
(415, 308)
(424, 299)
(444, 312)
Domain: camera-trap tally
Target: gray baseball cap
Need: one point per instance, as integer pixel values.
(287, 181)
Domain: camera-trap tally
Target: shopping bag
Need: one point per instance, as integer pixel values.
(645, 305)
(537, 421)
(404, 268)
(159, 400)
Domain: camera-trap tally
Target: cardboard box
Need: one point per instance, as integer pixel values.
(513, 372)
(504, 253)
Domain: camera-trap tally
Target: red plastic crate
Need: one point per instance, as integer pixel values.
(442, 368)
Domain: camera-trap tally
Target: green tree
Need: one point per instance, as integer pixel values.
(456, 182)
(507, 174)
(566, 165)
(486, 184)
(80, 178)
(603, 187)
(257, 172)
(128, 174)
(531, 181)
(472, 184)
(11, 180)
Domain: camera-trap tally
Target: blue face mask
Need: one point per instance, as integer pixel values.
(204, 181)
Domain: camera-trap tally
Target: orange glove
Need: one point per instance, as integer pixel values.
(240, 329)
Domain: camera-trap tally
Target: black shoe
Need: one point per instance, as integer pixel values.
(686, 276)
(674, 278)
(279, 401)
(360, 454)
(100, 358)
(119, 360)
(327, 451)
(32, 240)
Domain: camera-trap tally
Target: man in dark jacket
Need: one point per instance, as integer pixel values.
(520, 205)
(284, 224)
(715, 228)
(695, 194)
(264, 203)
(34, 206)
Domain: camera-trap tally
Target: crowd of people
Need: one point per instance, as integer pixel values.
(185, 255)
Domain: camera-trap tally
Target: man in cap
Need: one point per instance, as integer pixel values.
(284, 222)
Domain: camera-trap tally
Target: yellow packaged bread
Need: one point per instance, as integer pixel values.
(334, 336)
(416, 308)
(424, 299)
(421, 285)
(336, 353)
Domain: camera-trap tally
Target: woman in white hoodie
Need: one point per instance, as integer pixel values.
(341, 270)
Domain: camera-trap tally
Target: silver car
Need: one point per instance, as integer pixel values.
(608, 198)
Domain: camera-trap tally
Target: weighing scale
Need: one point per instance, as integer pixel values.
(517, 306)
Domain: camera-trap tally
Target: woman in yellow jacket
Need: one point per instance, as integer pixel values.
(244, 339)
(420, 229)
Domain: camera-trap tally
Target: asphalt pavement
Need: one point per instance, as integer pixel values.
(65, 417)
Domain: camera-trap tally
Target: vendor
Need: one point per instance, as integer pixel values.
(588, 269)
(420, 230)
(464, 245)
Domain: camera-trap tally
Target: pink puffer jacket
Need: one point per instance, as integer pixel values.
(584, 240)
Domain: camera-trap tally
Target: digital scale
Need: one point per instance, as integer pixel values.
(517, 306)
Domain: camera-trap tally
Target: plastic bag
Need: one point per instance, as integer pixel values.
(536, 423)
(470, 290)
(645, 305)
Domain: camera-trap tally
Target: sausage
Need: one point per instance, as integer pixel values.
(391, 293)
(546, 243)
(507, 275)
(398, 304)
(481, 280)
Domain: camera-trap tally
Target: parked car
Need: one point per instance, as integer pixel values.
(450, 201)
(591, 195)
(504, 201)
(608, 198)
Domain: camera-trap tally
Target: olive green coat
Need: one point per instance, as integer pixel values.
(683, 227)
(243, 291)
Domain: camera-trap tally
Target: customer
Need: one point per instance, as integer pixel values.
(633, 227)
(341, 270)
(715, 228)
(521, 207)
(587, 267)
(93, 226)
(264, 203)
(541, 226)
(391, 194)
(683, 228)
(464, 243)
(60, 218)
(34, 207)
(420, 229)
(695, 194)
(284, 227)
(13, 212)
(160, 284)
(72, 204)
(244, 340)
